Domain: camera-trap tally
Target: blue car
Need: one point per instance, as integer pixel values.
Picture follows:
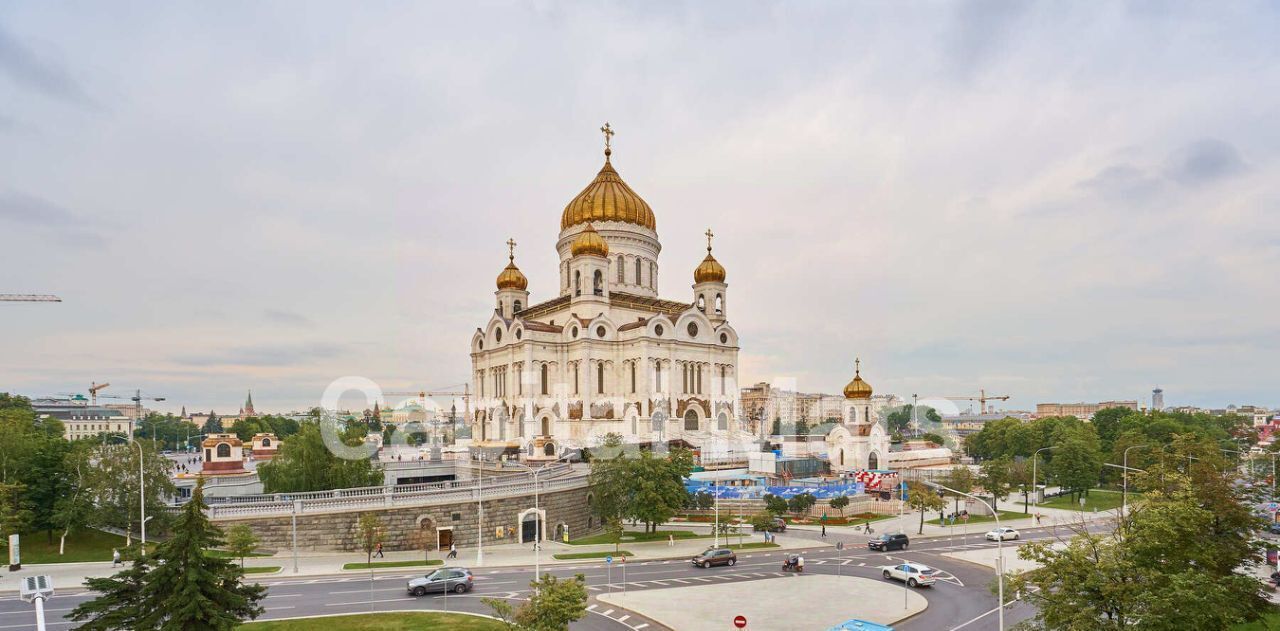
(859, 625)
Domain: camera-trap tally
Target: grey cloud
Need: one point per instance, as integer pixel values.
(266, 355)
(1204, 161)
(52, 220)
(281, 316)
(25, 68)
(1123, 182)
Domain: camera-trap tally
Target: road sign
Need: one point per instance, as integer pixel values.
(839, 545)
(740, 622)
(608, 559)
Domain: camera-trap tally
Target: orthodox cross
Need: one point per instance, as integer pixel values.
(608, 134)
(511, 249)
(857, 366)
(709, 235)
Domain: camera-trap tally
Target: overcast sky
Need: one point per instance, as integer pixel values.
(1057, 201)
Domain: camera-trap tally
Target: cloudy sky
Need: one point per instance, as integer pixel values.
(1058, 201)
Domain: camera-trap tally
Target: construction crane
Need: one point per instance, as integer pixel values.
(137, 399)
(982, 399)
(93, 391)
(29, 298)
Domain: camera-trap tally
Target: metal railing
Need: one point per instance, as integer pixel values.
(381, 497)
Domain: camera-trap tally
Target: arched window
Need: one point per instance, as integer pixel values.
(266, 442)
(577, 283)
(497, 335)
(702, 304)
(544, 379)
(599, 377)
(719, 304)
(224, 450)
(621, 269)
(633, 380)
(653, 275)
(657, 377)
(597, 285)
(575, 378)
(519, 306)
(690, 421)
(638, 259)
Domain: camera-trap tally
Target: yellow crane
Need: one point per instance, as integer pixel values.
(93, 390)
(982, 399)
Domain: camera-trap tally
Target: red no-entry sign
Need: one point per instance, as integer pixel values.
(740, 622)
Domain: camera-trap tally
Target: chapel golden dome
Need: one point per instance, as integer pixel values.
(607, 198)
(857, 389)
(589, 242)
(710, 269)
(511, 277)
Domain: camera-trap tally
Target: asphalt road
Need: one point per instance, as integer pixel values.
(961, 601)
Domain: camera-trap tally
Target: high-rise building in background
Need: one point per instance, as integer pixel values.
(1157, 399)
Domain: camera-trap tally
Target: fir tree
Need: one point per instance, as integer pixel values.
(119, 605)
(189, 590)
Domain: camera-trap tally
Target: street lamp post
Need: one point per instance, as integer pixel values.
(1124, 495)
(480, 511)
(142, 496)
(537, 544)
(1033, 471)
(999, 546)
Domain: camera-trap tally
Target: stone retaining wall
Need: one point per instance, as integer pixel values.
(408, 528)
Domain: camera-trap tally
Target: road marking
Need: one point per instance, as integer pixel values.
(702, 578)
(591, 608)
(846, 562)
(662, 583)
(623, 619)
(640, 626)
(681, 581)
(605, 613)
(862, 565)
(368, 602)
(594, 589)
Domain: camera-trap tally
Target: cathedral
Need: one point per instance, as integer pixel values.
(606, 354)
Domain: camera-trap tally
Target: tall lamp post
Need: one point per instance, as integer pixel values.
(999, 545)
(1124, 496)
(537, 547)
(1033, 471)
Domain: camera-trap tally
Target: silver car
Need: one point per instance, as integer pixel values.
(454, 579)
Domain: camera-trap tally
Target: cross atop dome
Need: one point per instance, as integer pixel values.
(608, 136)
(709, 236)
(511, 250)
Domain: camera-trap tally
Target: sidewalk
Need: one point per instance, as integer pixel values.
(68, 576)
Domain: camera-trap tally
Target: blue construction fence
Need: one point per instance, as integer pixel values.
(822, 492)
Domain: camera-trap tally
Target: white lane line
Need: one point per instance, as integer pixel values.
(681, 581)
(846, 562)
(591, 608)
(623, 619)
(365, 591)
(702, 578)
(640, 626)
(662, 583)
(594, 589)
(369, 602)
(605, 613)
(862, 565)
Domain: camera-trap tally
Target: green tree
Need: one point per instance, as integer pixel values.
(776, 505)
(74, 509)
(113, 486)
(241, 542)
(213, 425)
(119, 604)
(995, 480)
(370, 532)
(839, 503)
(960, 478)
(1076, 464)
(801, 503)
(1020, 478)
(554, 605)
(305, 463)
(923, 499)
(936, 439)
(703, 500)
(15, 511)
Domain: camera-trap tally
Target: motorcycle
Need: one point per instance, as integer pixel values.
(792, 564)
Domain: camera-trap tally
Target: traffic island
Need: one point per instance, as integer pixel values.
(795, 602)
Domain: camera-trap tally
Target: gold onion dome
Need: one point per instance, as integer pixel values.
(589, 242)
(857, 389)
(607, 198)
(709, 270)
(511, 277)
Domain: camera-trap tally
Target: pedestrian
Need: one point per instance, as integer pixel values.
(378, 551)
(115, 557)
(824, 530)
(800, 564)
(453, 551)
(1037, 519)
(671, 540)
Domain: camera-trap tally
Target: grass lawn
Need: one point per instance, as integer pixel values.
(751, 546)
(1005, 516)
(382, 622)
(261, 570)
(378, 564)
(1269, 621)
(1097, 498)
(632, 536)
(592, 555)
(82, 546)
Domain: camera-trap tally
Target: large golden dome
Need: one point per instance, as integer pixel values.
(589, 242)
(857, 389)
(709, 270)
(607, 198)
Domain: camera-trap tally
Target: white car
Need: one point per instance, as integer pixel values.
(1002, 534)
(915, 574)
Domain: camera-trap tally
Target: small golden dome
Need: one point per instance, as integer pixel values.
(607, 198)
(709, 270)
(511, 276)
(857, 389)
(589, 242)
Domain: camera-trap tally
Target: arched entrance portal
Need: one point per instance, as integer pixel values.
(873, 461)
(690, 421)
(531, 528)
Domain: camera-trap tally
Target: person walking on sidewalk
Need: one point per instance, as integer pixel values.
(377, 552)
(671, 540)
(824, 530)
(453, 551)
(115, 557)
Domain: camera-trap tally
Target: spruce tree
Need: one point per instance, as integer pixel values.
(119, 605)
(189, 590)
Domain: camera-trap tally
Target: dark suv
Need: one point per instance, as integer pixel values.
(715, 556)
(885, 543)
(775, 525)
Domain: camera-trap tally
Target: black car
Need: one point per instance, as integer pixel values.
(885, 543)
(715, 556)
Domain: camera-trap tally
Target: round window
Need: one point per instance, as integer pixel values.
(519, 333)
(599, 331)
(724, 337)
(693, 330)
(573, 332)
(497, 335)
(657, 330)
